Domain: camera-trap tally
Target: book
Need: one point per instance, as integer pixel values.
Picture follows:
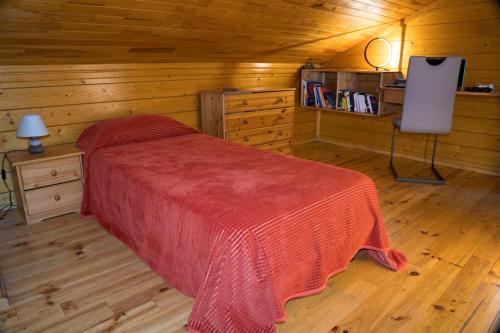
(317, 96)
(361, 101)
(330, 98)
(348, 101)
(351, 101)
(304, 92)
(373, 104)
(360, 106)
(321, 96)
(368, 104)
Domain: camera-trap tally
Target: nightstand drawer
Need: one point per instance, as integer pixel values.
(53, 197)
(51, 172)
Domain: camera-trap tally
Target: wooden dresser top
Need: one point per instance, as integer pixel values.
(24, 157)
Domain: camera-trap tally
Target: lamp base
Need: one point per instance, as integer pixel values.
(35, 146)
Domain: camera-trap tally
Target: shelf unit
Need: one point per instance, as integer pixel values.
(356, 81)
(390, 99)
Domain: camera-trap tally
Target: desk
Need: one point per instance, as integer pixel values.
(395, 95)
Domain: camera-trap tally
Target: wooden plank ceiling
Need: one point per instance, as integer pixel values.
(114, 31)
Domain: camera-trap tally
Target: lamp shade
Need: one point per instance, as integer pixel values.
(31, 126)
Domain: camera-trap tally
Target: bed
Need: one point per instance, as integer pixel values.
(239, 229)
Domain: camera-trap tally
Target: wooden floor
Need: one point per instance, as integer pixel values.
(69, 275)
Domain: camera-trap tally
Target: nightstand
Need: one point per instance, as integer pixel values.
(50, 183)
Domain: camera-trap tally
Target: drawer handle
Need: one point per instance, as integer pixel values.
(53, 173)
(245, 121)
(280, 100)
(244, 102)
(57, 197)
(246, 138)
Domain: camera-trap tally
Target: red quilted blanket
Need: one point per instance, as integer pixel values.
(239, 229)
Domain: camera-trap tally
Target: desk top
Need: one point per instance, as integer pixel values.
(464, 93)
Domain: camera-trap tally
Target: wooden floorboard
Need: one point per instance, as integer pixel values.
(68, 275)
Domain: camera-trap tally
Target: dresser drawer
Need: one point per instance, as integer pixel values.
(256, 119)
(53, 197)
(51, 172)
(259, 136)
(283, 147)
(393, 96)
(259, 101)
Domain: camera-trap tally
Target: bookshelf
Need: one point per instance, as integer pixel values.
(366, 82)
(390, 99)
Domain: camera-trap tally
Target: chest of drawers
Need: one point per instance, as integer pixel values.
(262, 119)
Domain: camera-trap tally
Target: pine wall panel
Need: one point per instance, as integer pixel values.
(72, 97)
(129, 31)
(469, 29)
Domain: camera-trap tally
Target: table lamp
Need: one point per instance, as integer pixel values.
(32, 127)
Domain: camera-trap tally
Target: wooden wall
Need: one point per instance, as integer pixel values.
(118, 31)
(467, 28)
(72, 97)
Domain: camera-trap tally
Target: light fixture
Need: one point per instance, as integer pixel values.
(32, 127)
(378, 52)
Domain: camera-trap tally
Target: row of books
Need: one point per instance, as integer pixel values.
(318, 95)
(357, 102)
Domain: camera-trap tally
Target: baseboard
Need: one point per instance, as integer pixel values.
(414, 158)
(305, 141)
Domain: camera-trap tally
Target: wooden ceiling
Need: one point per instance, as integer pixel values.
(115, 31)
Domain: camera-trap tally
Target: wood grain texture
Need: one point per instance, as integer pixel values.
(263, 119)
(451, 27)
(50, 172)
(70, 275)
(256, 119)
(280, 99)
(258, 136)
(47, 184)
(54, 197)
(337, 81)
(118, 31)
(23, 157)
(72, 97)
(4, 297)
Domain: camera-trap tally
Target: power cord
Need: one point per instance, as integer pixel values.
(6, 208)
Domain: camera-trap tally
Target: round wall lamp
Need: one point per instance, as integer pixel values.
(378, 52)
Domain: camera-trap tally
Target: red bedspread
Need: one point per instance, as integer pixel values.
(239, 229)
